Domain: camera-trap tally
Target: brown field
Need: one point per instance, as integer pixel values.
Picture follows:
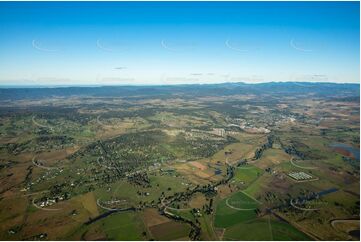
(182, 166)
(152, 217)
(57, 154)
(59, 223)
(198, 165)
(7, 140)
(243, 150)
(202, 174)
(193, 174)
(88, 202)
(343, 152)
(23, 157)
(112, 130)
(196, 179)
(12, 210)
(12, 181)
(197, 201)
(183, 239)
(169, 231)
(95, 232)
(224, 191)
(55, 223)
(272, 157)
(346, 225)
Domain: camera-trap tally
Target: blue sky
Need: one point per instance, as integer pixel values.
(117, 43)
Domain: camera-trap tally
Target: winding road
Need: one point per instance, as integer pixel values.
(110, 209)
(41, 125)
(174, 209)
(239, 209)
(41, 166)
(303, 209)
(302, 167)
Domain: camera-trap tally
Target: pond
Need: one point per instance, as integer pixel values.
(355, 233)
(346, 149)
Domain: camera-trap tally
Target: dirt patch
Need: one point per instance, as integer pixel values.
(197, 201)
(13, 179)
(57, 154)
(224, 190)
(343, 152)
(202, 174)
(89, 203)
(95, 233)
(198, 165)
(8, 140)
(56, 223)
(152, 217)
(169, 231)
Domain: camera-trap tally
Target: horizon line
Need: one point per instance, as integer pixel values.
(161, 85)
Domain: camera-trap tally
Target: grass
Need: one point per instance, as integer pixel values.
(242, 201)
(272, 157)
(123, 226)
(89, 203)
(342, 198)
(123, 189)
(208, 232)
(256, 185)
(247, 174)
(184, 214)
(253, 230)
(170, 231)
(227, 217)
(240, 150)
(87, 133)
(284, 231)
(240, 225)
(264, 229)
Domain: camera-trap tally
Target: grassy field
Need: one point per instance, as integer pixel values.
(247, 174)
(208, 231)
(241, 200)
(166, 145)
(256, 187)
(271, 158)
(264, 229)
(227, 216)
(284, 231)
(257, 229)
(123, 226)
(159, 183)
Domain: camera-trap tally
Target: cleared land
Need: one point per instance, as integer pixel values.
(184, 163)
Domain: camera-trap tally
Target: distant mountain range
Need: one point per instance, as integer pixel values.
(164, 91)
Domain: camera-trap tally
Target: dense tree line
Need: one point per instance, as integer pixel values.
(258, 153)
(139, 179)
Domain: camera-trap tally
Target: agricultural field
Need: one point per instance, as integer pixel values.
(212, 162)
